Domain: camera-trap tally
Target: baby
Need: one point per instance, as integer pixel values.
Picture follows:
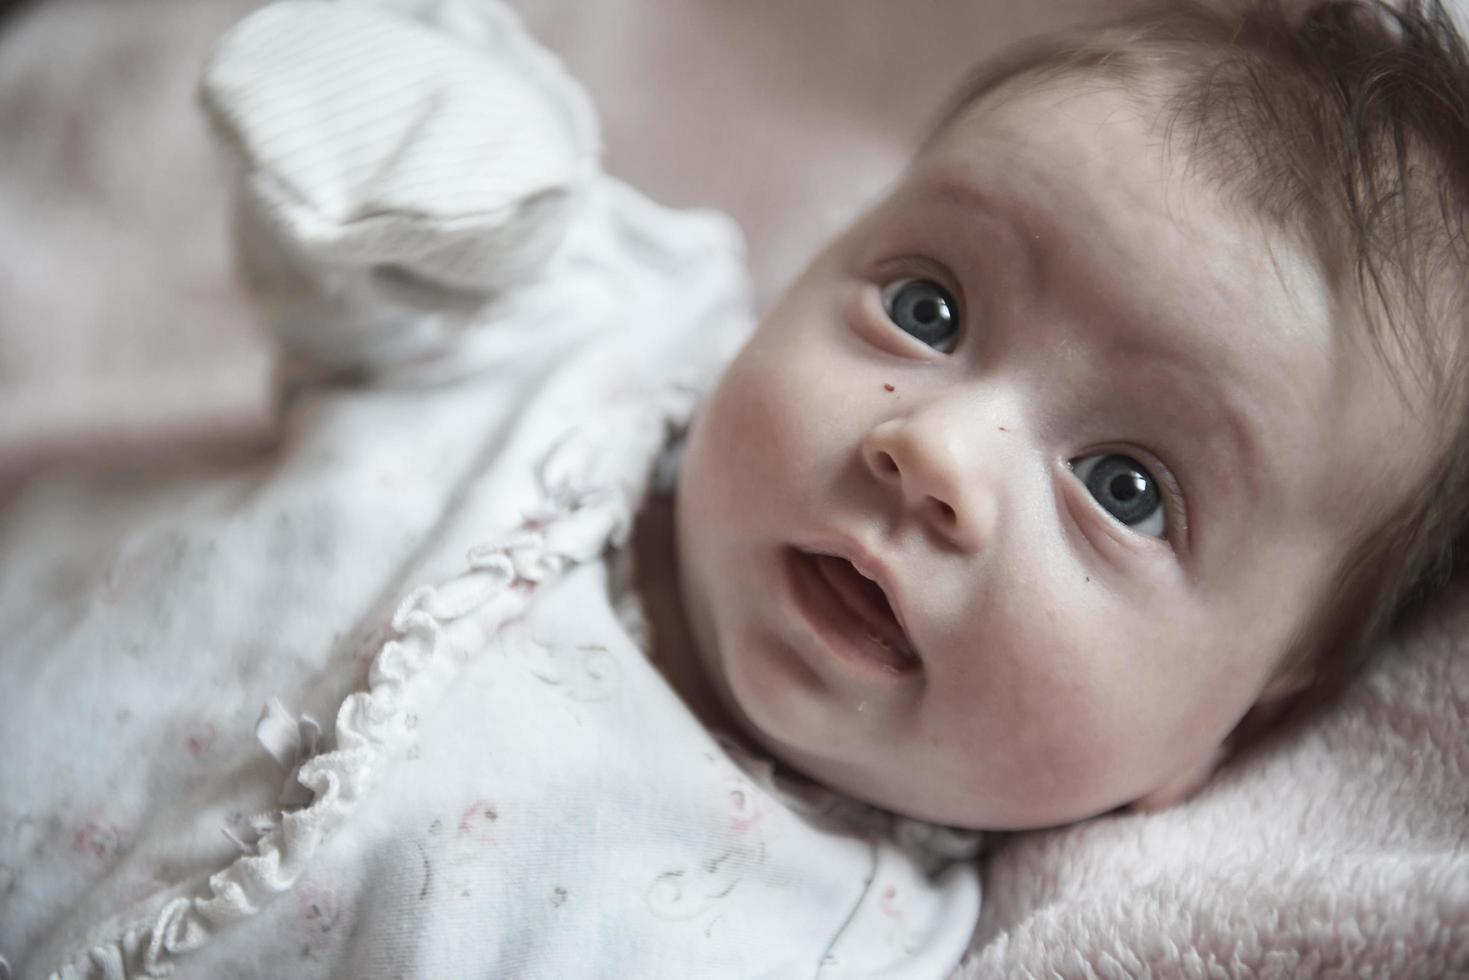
(1125, 420)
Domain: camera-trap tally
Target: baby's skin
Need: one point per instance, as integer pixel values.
(1017, 503)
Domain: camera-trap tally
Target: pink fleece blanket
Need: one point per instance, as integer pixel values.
(1340, 850)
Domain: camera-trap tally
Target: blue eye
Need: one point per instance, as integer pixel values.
(1125, 489)
(925, 310)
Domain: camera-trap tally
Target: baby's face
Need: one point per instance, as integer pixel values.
(1012, 507)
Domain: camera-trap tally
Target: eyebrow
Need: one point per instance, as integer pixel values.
(951, 188)
(1209, 403)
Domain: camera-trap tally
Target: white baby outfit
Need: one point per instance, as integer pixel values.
(505, 787)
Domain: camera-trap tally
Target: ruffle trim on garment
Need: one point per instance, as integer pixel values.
(585, 510)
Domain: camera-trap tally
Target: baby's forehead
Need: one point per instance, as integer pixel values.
(1078, 113)
(1226, 153)
(1075, 132)
(1100, 129)
(1026, 101)
(1076, 148)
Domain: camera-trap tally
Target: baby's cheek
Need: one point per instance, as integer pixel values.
(1044, 677)
(753, 431)
(723, 455)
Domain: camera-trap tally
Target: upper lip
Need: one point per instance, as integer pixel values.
(869, 565)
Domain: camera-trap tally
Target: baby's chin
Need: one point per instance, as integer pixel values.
(902, 786)
(808, 755)
(880, 789)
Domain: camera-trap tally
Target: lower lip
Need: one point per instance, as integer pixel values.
(829, 619)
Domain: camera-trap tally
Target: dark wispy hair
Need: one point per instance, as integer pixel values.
(1347, 123)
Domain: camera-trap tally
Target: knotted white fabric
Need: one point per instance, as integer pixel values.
(394, 177)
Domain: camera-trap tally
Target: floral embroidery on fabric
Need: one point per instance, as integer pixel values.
(585, 672)
(415, 665)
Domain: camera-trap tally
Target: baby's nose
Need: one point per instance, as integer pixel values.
(925, 460)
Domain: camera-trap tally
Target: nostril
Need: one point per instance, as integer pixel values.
(886, 464)
(945, 511)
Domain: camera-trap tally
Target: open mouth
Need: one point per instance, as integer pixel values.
(856, 610)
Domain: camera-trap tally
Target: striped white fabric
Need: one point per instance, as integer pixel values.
(390, 168)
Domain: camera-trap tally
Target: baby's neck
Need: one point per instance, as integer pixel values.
(655, 560)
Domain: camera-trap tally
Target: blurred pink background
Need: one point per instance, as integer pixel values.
(123, 337)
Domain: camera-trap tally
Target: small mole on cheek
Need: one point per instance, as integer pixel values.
(888, 388)
(1002, 428)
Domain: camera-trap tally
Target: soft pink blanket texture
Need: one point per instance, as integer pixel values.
(1339, 850)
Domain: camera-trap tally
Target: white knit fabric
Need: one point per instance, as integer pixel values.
(242, 742)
